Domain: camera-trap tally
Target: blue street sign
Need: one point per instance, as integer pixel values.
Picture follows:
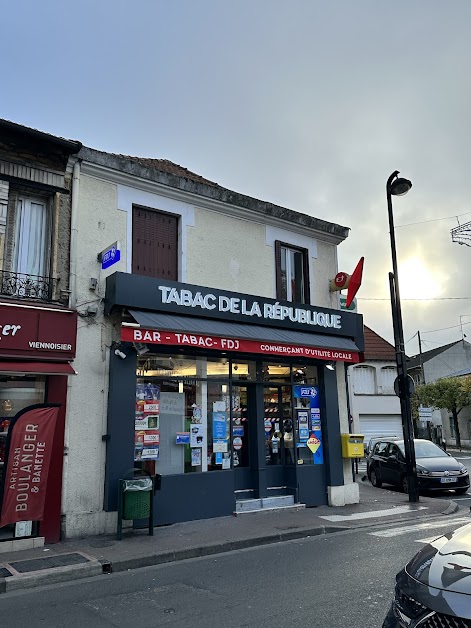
(111, 255)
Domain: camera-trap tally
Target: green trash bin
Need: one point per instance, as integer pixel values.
(136, 501)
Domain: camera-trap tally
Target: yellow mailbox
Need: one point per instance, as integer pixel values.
(352, 445)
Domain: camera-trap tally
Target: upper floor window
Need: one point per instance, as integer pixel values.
(387, 375)
(25, 245)
(364, 380)
(30, 244)
(154, 243)
(292, 273)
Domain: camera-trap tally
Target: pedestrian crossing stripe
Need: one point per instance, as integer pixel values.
(392, 532)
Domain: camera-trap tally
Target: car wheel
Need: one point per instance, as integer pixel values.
(461, 491)
(374, 479)
(405, 484)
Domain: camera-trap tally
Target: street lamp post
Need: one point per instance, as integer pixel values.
(396, 186)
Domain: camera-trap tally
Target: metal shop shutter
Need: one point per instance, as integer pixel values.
(154, 244)
(380, 425)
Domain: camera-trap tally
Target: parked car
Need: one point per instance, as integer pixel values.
(434, 589)
(436, 469)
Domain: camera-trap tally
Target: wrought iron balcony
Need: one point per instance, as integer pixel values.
(21, 286)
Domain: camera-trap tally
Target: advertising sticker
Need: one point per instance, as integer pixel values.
(195, 457)
(182, 438)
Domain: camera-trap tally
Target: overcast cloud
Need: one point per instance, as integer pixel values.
(308, 104)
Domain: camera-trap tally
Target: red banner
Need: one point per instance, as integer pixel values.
(152, 336)
(29, 448)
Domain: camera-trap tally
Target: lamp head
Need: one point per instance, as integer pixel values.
(399, 186)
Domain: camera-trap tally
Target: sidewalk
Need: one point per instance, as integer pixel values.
(79, 558)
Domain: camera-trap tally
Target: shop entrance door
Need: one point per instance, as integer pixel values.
(263, 440)
(278, 434)
(244, 440)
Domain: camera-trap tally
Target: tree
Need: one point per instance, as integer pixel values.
(450, 393)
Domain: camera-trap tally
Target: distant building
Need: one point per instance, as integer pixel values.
(451, 360)
(374, 407)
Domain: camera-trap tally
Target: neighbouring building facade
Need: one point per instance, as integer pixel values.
(451, 360)
(374, 407)
(37, 323)
(211, 353)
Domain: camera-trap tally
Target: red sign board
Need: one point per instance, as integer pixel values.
(152, 336)
(27, 467)
(40, 333)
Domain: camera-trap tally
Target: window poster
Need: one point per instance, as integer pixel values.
(197, 415)
(195, 457)
(219, 426)
(147, 422)
(196, 435)
(303, 424)
(310, 398)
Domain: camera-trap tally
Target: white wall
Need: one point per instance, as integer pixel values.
(454, 359)
(99, 225)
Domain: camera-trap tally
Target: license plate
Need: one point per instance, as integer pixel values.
(447, 480)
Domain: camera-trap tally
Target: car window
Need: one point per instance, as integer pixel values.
(395, 451)
(381, 449)
(427, 449)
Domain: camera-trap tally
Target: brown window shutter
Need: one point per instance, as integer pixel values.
(154, 244)
(278, 268)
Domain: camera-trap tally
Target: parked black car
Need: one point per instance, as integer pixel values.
(434, 589)
(436, 470)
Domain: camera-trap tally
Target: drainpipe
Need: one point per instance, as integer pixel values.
(73, 235)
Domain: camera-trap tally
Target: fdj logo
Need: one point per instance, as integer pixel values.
(308, 392)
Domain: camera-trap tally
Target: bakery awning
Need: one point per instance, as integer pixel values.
(37, 368)
(183, 331)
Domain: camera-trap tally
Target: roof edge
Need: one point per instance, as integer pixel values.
(212, 192)
(71, 146)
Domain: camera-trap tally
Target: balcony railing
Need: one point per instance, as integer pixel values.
(22, 286)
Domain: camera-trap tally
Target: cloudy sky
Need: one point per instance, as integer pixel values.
(308, 104)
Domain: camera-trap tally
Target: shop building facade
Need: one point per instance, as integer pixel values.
(213, 353)
(37, 325)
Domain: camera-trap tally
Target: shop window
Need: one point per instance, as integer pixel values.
(276, 373)
(182, 366)
(364, 380)
(244, 370)
(292, 273)
(182, 418)
(305, 375)
(154, 244)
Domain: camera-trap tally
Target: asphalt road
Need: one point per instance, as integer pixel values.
(339, 580)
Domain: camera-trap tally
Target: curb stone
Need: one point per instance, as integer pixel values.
(50, 576)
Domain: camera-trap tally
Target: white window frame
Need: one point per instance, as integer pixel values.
(285, 251)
